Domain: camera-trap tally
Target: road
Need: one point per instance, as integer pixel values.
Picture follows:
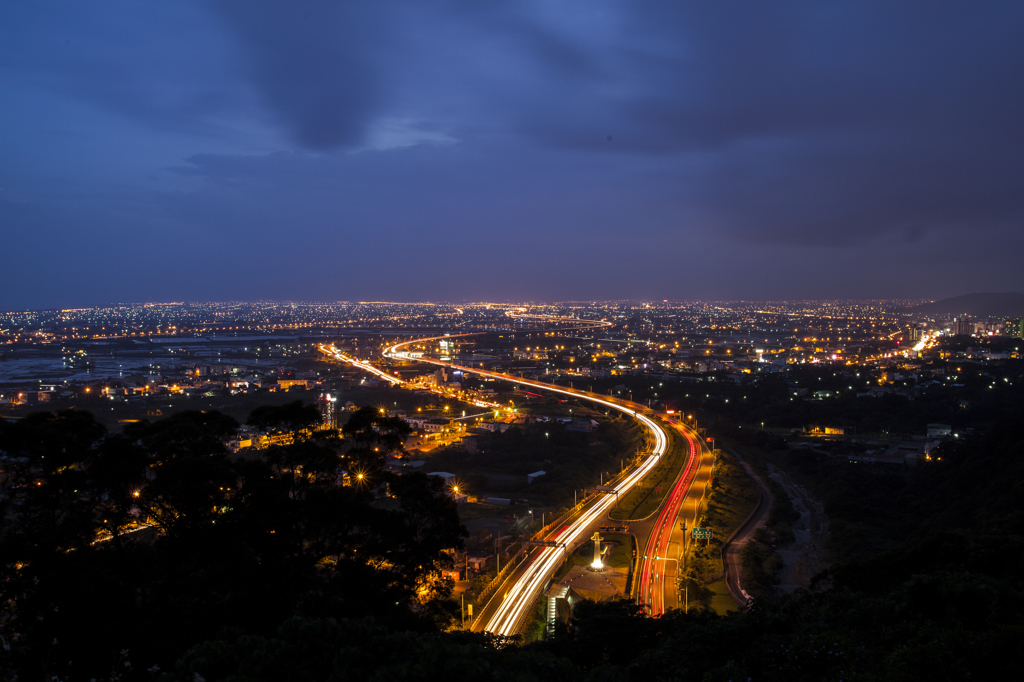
(659, 563)
(365, 365)
(511, 606)
(515, 606)
(732, 550)
(361, 364)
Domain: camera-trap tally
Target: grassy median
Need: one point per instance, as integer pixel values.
(732, 497)
(645, 498)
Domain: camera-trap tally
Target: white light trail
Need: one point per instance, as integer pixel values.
(521, 596)
(365, 366)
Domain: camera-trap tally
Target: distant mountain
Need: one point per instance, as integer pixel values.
(1008, 304)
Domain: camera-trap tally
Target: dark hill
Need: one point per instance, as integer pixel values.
(1008, 304)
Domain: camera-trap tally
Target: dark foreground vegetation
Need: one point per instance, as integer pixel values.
(298, 579)
(119, 552)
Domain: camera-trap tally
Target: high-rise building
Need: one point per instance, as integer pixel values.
(1015, 328)
(328, 405)
(963, 326)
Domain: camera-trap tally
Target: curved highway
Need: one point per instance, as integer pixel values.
(656, 563)
(515, 606)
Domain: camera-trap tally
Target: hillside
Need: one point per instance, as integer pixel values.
(1009, 304)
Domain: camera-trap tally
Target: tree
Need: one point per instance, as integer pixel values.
(375, 436)
(289, 417)
(236, 544)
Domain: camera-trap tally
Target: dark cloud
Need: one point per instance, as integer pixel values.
(314, 63)
(590, 148)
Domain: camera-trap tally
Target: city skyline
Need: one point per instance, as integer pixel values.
(508, 469)
(240, 151)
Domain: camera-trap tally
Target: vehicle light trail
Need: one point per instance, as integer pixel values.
(521, 596)
(922, 344)
(651, 580)
(517, 602)
(395, 381)
(361, 364)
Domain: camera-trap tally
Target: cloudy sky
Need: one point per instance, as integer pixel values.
(548, 150)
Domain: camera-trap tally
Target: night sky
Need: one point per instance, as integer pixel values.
(327, 150)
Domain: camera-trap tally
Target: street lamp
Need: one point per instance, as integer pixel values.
(685, 587)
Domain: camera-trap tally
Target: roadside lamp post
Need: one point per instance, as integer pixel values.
(665, 558)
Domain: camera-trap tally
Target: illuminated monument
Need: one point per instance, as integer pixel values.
(597, 564)
(596, 581)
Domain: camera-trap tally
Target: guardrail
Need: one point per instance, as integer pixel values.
(569, 549)
(699, 508)
(631, 574)
(565, 515)
(502, 574)
(550, 525)
(498, 580)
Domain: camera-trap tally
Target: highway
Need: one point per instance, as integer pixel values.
(658, 553)
(660, 562)
(364, 365)
(361, 364)
(515, 605)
